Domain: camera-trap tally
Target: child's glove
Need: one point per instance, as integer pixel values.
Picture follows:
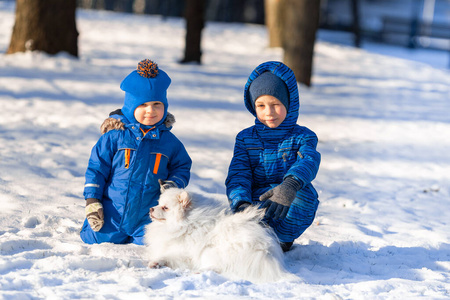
(242, 207)
(279, 199)
(94, 213)
(165, 185)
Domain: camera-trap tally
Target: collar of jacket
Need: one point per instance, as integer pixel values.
(144, 132)
(119, 121)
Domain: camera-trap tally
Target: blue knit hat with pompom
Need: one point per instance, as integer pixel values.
(269, 84)
(145, 84)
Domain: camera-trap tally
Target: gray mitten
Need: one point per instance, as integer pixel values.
(279, 199)
(166, 184)
(94, 213)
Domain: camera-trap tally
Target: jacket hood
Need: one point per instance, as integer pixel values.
(287, 75)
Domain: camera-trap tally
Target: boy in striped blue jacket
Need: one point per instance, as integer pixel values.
(275, 160)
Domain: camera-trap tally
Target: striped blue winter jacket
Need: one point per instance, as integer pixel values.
(125, 166)
(264, 156)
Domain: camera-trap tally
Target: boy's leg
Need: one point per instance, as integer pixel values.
(300, 216)
(138, 235)
(109, 233)
(105, 235)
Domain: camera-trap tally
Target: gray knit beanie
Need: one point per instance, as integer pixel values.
(269, 84)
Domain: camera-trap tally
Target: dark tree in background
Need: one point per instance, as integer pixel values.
(300, 20)
(356, 28)
(273, 22)
(45, 25)
(195, 21)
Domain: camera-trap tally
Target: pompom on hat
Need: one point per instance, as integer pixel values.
(269, 84)
(145, 84)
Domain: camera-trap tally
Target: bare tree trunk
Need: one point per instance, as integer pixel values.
(300, 22)
(273, 22)
(195, 21)
(45, 25)
(356, 27)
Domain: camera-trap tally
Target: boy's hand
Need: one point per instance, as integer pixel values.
(274, 210)
(242, 207)
(279, 199)
(94, 213)
(165, 185)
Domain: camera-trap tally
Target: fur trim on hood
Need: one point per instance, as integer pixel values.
(113, 123)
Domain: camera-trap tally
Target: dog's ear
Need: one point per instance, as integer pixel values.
(185, 199)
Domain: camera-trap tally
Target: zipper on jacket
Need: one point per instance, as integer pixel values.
(144, 132)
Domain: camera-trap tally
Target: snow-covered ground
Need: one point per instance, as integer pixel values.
(382, 229)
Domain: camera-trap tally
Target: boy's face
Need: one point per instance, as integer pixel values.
(270, 111)
(149, 113)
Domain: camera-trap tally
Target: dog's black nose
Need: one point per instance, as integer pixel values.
(151, 209)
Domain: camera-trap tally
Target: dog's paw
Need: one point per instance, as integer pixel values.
(154, 265)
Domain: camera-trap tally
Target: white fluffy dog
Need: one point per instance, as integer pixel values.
(189, 231)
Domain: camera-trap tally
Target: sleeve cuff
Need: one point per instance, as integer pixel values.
(293, 182)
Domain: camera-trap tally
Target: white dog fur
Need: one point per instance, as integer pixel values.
(189, 231)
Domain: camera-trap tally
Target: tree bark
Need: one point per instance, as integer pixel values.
(356, 27)
(45, 25)
(195, 21)
(273, 22)
(300, 22)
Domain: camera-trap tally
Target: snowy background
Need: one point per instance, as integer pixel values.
(382, 229)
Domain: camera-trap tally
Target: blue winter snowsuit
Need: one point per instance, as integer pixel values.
(264, 156)
(123, 173)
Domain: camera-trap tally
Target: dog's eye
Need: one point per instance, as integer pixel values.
(164, 208)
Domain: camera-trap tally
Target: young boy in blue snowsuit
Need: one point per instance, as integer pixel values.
(129, 162)
(275, 160)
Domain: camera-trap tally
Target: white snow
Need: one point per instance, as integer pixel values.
(382, 229)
